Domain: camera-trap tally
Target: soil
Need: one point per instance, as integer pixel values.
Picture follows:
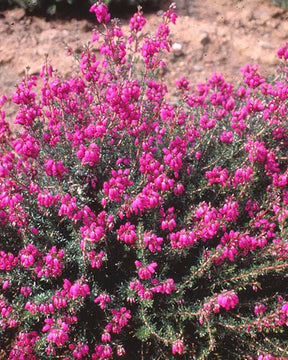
(210, 35)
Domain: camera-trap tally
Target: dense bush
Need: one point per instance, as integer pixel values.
(283, 3)
(133, 225)
(44, 6)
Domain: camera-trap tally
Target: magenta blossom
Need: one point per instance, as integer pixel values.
(101, 12)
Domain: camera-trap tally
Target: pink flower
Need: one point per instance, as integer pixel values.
(28, 255)
(168, 219)
(5, 284)
(178, 347)
(251, 76)
(170, 13)
(102, 299)
(182, 83)
(120, 350)
(80, 350)
(145, 272)
(182, 238)
(101, 12)
(282, 52)
(137, 21)
(25, 290)
(227, 137)
(58, 336)
(78, 289)
(53, 168)
(217, 175)
(228, 300)
(106, 337)
(266, 357)
(284, 309)
(165, 288)
(57, 332)
(96, 259)
(169, 286)
(152, 242)
(259, 309)
(243, 175)
(127, 233)
(119, 320)
(89, 155)
(23, 347)
(102, 352)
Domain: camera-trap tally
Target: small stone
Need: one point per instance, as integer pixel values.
(191, 9)
(37, 29)
(247, 15)
(278, 12)
(274, 24)
(16, 15)
(238, 24)
(87, 27)
(204, 39)
(181, 4)
(197, 68)
(265, 45)
(222, 32)
(220, 19)
(262, 18)
(271, 59)
(284, 30)
(177, 49)
(49, 35)
(36, 69)
(6, 57)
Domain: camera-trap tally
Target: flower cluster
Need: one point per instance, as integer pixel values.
(134, 226)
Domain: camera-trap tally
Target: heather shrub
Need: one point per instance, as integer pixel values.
(139, 228)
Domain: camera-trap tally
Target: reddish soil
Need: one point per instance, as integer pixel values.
(213, 35)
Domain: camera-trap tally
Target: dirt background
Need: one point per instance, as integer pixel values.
(210, 35)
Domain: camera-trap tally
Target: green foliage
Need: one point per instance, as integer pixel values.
(282, 3)
(49, 7)
(68, 7)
